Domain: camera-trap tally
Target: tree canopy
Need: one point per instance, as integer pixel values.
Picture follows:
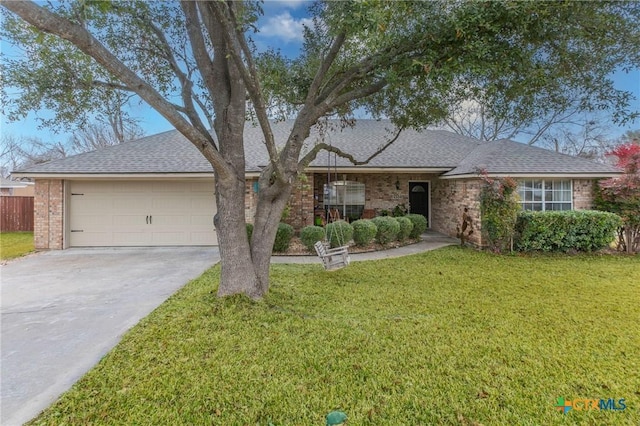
(195, 63)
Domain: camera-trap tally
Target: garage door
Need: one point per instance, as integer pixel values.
(144, 213)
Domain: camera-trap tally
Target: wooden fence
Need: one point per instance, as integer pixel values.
(16, 214)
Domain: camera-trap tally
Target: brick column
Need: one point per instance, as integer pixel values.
(301, 202)
(449, 199)
(583, 194)
(250, 199)
(48, 205)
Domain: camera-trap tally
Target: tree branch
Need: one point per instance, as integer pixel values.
(360, 93)
(49, 22)
(325, 65)
(238, 48)
(104, 84)
(362, 68)
(186, 84)
(198, 45)
(311, 155)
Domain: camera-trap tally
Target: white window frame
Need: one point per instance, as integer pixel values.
(546, 205)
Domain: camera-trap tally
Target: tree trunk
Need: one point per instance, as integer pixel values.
(244, 264)
(238, 275)
(268, 214)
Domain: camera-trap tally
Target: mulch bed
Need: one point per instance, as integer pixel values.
(296, 248)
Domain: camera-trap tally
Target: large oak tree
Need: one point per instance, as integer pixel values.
(194, 63)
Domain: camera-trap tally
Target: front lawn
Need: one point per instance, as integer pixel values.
(15, 244)
(452, 336)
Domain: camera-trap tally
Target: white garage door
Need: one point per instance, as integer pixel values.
(141, 213)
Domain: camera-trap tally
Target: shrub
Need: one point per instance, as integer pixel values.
(584, 230)
(388, 229)
(399, 210)
(283, 237)
(249, 230)
(406, 226)
(499, 209)
(339, 233)
(285, 213)
(364, 231)
(310, 235)
(419, 225)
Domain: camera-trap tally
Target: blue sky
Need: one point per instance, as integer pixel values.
(280, 27)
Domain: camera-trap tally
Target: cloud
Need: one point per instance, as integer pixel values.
(273, 5)
(285, 27)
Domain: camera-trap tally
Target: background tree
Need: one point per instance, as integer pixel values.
(546, 120)
(20, 152)
(586, 138)
(194, 63)
(100, 134)
(631, 136)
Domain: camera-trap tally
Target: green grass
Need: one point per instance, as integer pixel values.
(15, 244)
(451, 336)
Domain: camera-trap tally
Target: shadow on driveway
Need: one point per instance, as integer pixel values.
(62, 311)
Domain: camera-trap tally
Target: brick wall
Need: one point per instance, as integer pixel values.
(448, 200)
(583, 194)
(381, 193)
(250, 199)
(48, 206)
(302, 202)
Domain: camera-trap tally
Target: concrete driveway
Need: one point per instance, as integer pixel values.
(62, 311)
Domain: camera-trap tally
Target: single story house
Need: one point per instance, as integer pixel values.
(158, 190)
(16, 188)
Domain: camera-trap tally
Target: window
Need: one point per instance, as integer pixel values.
(540, 195)
(346, 196)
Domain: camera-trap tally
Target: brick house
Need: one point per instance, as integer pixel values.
(16, 188)
(158, 190)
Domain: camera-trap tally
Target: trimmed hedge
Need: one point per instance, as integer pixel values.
(584, 230)
(364, 231)
(311, 235)
(419, 225)
(406, 226)
(339, 233)
(388, 229)
(283, 238)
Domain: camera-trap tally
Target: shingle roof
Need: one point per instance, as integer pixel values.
(167, 152)
(8, 183)
(412, 149)
(170, 152)
(509, 157)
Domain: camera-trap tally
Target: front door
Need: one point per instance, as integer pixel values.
(419, 198)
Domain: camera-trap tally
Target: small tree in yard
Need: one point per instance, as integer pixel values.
(621, 195)
(499, 208)
(196, 65)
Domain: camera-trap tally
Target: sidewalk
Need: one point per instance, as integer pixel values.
(431, 240)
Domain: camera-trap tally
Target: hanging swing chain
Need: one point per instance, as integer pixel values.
(330, 193)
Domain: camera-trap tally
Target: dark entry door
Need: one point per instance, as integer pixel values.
(419, 198)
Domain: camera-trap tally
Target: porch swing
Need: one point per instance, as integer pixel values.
(332, 258)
